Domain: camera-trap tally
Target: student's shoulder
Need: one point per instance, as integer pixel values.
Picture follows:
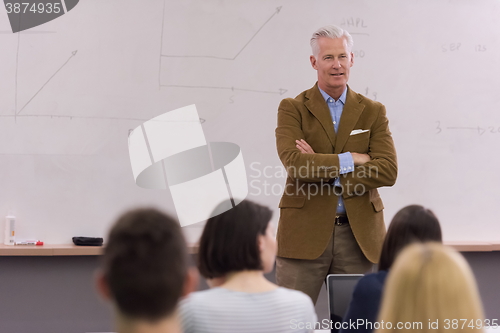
(297, 304)
(294, 296)
(370, 282)
(201, 297)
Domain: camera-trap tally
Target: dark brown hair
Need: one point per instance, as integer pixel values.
(229, 241)
(412, 223)
(145, 264)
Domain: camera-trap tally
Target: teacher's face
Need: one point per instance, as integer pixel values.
(333, 63)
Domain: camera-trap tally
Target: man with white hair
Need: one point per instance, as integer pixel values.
(337, 149)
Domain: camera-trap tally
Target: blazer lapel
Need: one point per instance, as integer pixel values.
(317, 106)
(350, 115)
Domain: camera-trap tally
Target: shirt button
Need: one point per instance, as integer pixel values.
(334, 122)
(330, 100)
(340, 205)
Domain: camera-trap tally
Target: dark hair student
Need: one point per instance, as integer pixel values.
(236, 249)
(145, 268)
(229, 241)
(411, 224)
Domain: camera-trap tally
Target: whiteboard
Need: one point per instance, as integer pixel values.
(73, 88)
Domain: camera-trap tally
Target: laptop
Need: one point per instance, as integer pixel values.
(340, 288)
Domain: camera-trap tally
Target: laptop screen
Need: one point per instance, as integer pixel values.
(340, 288)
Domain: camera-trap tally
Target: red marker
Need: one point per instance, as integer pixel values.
(37, 242)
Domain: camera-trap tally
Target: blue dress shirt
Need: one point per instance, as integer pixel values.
(345, 159)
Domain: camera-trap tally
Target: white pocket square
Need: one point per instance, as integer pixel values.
(359, 131)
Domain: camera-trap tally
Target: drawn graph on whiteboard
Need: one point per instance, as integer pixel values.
(31, 94)
(29, 85)
(212, 54)
(26, 79)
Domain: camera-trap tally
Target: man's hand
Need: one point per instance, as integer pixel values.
(304, 147)
(360, 159)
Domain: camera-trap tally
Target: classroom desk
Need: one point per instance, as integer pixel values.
(50, 250)
(73, 250)
(60, 250)
(474, 246)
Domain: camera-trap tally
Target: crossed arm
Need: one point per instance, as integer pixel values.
(296, 154)
(359, 159)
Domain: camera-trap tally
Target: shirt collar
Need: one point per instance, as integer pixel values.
(326, 96)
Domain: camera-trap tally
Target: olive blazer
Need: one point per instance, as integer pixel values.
(308, 205)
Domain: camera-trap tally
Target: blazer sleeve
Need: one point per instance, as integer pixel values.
(305, 167)
(382, 169)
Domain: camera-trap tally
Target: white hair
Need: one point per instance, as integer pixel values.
(330, 31)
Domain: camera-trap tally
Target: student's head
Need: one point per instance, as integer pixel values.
(430, 282)
(411, 224)
(239, 239)
(145, 265)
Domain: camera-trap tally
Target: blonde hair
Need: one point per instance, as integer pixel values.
(430, 282)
